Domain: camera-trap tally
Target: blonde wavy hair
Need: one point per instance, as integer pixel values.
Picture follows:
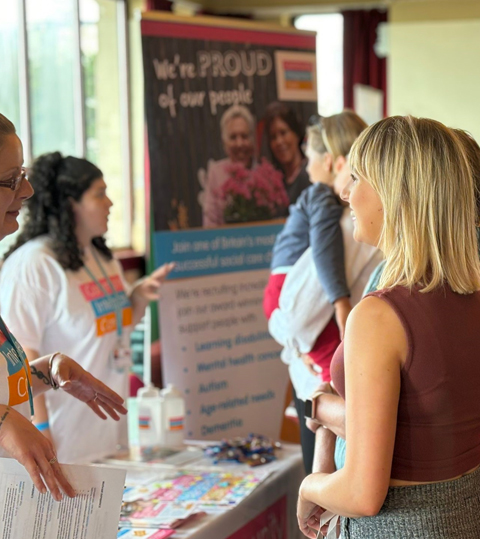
(423, 175)
(335, 134)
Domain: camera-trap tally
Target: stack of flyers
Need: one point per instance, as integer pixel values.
(144, 533)
(146, 491)
(155, 514)
(231, 488)
(168, 502)
(220, 488)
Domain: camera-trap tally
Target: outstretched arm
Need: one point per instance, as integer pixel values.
(72, 378)
(148, 289)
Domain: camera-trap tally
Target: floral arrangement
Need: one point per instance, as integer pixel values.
(253, 195)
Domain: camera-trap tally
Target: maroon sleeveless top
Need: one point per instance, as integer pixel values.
(438, 425)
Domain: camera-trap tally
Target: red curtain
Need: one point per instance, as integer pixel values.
(360, 63)
(159, 5)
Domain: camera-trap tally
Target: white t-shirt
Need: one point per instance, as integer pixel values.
(48, 308)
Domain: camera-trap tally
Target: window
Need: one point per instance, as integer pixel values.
(77, 96)
(329, 28)
(51, 63)
(103, 119)
(9, 69)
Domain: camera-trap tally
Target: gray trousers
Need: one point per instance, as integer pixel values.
(447, 510)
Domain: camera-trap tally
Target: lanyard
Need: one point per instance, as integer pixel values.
(21, 356)
(112, 295)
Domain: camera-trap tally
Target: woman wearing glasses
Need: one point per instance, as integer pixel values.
(285, 136)
(61, 287)
(22, 382)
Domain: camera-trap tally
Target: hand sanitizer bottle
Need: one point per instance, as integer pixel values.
(173, 415)
(150, 412)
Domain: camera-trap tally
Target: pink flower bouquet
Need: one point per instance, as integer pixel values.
(253, 195)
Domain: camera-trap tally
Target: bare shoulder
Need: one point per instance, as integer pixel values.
(374, 323)
(372, 311)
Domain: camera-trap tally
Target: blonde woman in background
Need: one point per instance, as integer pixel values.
(315, 222)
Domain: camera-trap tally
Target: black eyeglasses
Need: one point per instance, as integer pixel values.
(15, 181)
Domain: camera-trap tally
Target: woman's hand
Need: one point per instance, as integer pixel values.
(25, 443)
(308, 516)
(148, 288)
(76, 381)
(48, 435)
(310, 364)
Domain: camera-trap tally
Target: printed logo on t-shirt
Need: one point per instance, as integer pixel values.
(104, 306)
(18, 372)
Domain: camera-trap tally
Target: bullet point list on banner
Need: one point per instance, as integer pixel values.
(235, 376)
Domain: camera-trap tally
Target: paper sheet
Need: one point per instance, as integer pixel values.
(93, 514)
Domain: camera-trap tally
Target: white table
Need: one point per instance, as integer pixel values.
(268, 513)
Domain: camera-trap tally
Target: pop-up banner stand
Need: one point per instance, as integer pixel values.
(215, 342)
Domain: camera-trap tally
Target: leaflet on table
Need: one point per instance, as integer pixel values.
(144, 533)
(155, 514)
(93, 513)
(215, 488)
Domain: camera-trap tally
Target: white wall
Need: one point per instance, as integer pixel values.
(434, 71)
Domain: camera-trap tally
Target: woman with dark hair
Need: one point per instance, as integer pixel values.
(22, 381)
(285, 136)
(69, 291)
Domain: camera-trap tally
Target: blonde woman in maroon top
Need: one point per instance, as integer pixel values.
(408, 368)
